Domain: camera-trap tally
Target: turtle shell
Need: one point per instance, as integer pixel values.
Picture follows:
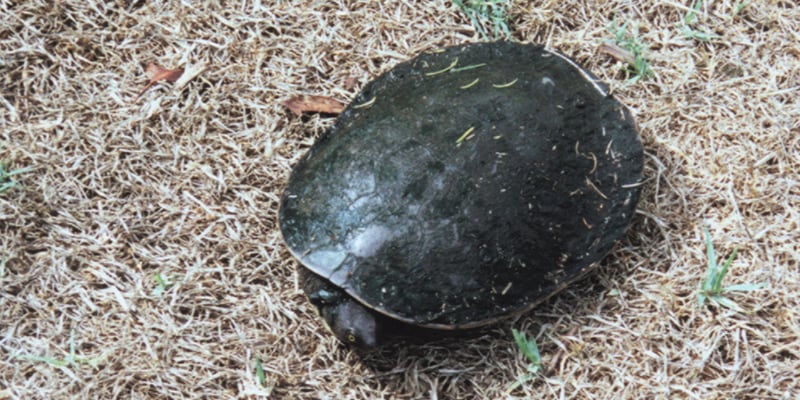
(465, 185)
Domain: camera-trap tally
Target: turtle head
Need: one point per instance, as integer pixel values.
(352, 323)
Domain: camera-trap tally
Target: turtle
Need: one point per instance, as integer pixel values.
(459, 188)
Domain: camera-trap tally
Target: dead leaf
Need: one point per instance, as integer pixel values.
(617, 53)
(158, 73)
(307, 103)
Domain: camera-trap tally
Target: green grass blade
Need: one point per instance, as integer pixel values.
(711, 288)
(19, 171)
(161, 284)
(701, 298)
(690, 33)
(724, 271)
(528, 347)
(499, 19)
(6, 183)
(630, 42)
(744, 287)
(712, 257)
(486, 16)
(519, 382)
(740, 6)
(711, 273)
(262, 378)
(50, 360)
(691, 16)
(726, 302)
(531, 351)
(8, 186)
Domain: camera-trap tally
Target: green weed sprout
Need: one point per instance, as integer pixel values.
(6, 177)
(262, 378)
(740, 6)
(630, 42)
(162, 284)
(530, 350)
(482, 13)
(711, 288)
(690, 19)
(71, 360)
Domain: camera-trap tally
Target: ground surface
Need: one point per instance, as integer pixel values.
(183, 183)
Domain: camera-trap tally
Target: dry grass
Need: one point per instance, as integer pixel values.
(184, 182)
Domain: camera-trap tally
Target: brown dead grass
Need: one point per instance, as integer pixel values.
(184, 182)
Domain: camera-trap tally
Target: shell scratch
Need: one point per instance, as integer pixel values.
(505, 85)
(366, 104)
(468, 67)
(506, 289)
(471, 84)
(595, 188)
(443, 70)
(465, 135)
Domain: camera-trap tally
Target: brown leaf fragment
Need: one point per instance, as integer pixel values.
(308, 103)
(617, 53)
(158, 73)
